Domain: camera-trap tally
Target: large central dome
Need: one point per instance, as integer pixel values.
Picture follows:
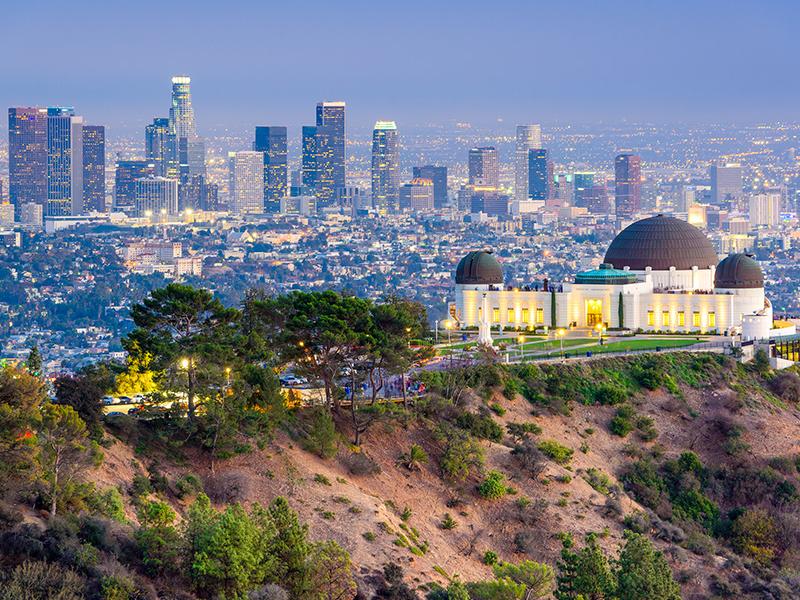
(660, 243)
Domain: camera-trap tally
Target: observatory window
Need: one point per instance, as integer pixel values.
(651, 318)
(696, 322)
(665, 318)
(539, 316)
(526, 316)
(712, 320)
(681, 319)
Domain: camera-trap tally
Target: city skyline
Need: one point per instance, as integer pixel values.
(682, 62)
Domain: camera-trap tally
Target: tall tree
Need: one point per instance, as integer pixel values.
(290, 547)
(21, 396)
(64, 449)
(331, 573)
(594, 579)
(34, 361)
(188, 333)
(85, 394)
(644, 573)
(317, 331)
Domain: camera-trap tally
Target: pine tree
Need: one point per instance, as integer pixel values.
(643, 573)
(594, 580)
(290, 546)
(621, 312)
(34, 361)
(567, 571)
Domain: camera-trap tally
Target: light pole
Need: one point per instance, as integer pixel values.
(436, 333)
(560, 333)
(520, 342)
(600, 329)
(187, 364)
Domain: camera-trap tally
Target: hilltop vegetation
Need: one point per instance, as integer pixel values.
(653, 477)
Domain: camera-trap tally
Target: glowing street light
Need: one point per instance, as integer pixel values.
(185, 363)
(560, 333)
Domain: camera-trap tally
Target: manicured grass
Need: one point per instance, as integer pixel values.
(554, 344)
(625, 345)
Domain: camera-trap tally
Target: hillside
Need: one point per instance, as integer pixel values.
(741, 423)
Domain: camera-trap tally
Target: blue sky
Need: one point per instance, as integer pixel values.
(413, 61)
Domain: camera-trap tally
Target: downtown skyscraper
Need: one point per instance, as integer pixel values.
(628, 185)
(271, 141)
(191, 148)
(529, 137)
(161, 148)
(484, 168)
(330, 151)
(27, 156)
(385, 167)
(438, 175)
(94, 168)
(64, 162)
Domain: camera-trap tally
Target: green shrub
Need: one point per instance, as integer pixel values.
(555, 451)
(481, 426)
(109, 503)
(493, 486)
(608, 393)
(598, 480)
(33, 579)
(490, 558)
(622, 423)
(448, 522)
(188, 485)
(754, 534)
(462, 455)
(321, 437)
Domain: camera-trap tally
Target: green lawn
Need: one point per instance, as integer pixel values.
(554, 344)
(625, 345)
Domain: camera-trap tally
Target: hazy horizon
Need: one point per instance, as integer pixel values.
(418, 63)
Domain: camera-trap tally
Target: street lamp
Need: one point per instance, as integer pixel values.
(560, 333)
(185, 363)
(520, 342)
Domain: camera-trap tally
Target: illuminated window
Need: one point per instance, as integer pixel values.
(712, 319)
(526, 315)
(681, 318)
(495, 315)
(665, 318)
(651, 318)
(696, 319)
(540, 315)
(511, 315)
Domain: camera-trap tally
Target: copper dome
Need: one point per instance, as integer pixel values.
(738, 271)
(479, 268)
(660, 243)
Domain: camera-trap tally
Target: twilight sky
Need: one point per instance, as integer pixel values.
(415, 61)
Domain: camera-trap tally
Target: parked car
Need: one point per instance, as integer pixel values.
(108, 400)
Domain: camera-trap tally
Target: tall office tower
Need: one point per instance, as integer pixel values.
(540, 175)
(161, 147)
(309, 164)
(529, 137)
(628, 185)
(438, 175)
(417, 195)
(64, 162)
(272, 142)
(564, 188)
(6, 213)
(726, 185)
(385, 167)
(596, 199)
(125, 176)
(198, 194)
(27, 156)
(330, 151)
(246, 182)
(94, 168)
(765, 209)
(583, 184)
(191, 148)
(484, 170)
(156, 196)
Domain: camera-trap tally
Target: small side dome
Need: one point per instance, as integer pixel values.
(479, 268)
(738, 271)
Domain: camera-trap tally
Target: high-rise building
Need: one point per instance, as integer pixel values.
(246, 182)
(417, 195)
(271, 141)
(583, 185)
(484, 170)
(726, 185)
(198, 194)
(540, 175)
(765, 209)
(385, 167)
(94, 168)
(27, 156)
(309, 162)
(161, 147)
(330, 151)
(64, 162)
(126, 174)
(438, 175)
(191, 148)
(156, 196)
(628, 185)
(529, 137)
